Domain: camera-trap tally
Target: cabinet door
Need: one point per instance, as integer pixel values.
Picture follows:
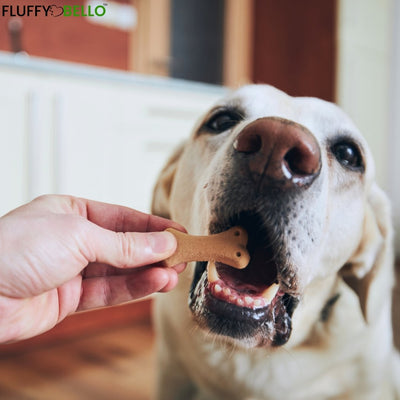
(13, 148)
(112, 141)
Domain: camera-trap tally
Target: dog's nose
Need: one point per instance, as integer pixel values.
(284, 152)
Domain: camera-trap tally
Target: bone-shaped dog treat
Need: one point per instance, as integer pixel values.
(227, 247)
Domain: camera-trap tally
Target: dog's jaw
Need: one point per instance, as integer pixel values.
(256, 324)
(252, 307)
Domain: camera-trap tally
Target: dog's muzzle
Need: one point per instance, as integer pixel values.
(271, 158)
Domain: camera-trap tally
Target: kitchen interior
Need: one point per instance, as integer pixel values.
(87, 102)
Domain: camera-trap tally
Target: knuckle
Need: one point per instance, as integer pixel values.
(128, 248)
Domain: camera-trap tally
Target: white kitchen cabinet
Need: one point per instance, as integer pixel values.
(88, 131)
(13, 148)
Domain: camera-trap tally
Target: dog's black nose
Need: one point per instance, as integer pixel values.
(282, 151)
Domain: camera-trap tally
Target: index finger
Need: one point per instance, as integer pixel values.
(124, 219)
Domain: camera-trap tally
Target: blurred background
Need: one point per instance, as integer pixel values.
(92, 105)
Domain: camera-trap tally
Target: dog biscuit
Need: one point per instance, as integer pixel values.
(228, 247)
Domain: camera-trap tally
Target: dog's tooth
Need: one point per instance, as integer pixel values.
(258, 302)
(269, 293)
(226, 291)
(239, 302)
(212, 274)
(248, 300)
(217, 288)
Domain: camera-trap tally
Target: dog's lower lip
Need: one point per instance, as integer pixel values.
(268, 325)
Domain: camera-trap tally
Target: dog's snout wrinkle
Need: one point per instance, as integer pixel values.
(284, 152)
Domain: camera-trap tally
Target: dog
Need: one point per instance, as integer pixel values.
(310, 317)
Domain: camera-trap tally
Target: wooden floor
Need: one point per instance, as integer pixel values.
(116, 364)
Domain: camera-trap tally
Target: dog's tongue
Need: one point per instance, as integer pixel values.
(230, 288)
(253, 285)
(236, 279)
(257, 276)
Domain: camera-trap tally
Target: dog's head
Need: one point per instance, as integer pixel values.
(298, 176)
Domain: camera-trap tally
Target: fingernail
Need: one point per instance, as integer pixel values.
(162, 242)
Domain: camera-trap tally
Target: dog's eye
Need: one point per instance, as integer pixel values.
(348, 155)
(222, 121)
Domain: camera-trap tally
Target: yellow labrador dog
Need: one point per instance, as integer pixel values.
(310, 317)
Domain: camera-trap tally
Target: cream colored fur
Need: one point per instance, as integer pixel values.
(348, 356)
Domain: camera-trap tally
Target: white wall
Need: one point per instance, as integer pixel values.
(363, 73)
(394, 124)
(368, 83)
(88, 131)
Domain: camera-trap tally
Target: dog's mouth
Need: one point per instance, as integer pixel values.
(254, 304)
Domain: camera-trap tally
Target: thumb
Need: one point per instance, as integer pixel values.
(133, 249)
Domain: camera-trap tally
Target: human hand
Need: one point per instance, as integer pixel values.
(61, 254)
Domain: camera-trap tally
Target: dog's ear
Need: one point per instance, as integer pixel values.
(162, 189)
(369, 271)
